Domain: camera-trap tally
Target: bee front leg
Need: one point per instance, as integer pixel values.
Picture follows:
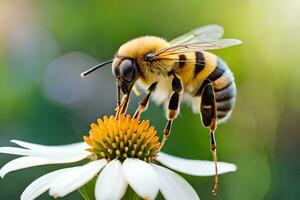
(118, 95)
(208, 111)
(144, 103)
(118, 98)
(122, 107)
(173, 107)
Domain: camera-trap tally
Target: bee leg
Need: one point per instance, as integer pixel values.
(167, 132)
(144, 103)
(173, 107)
(118, 95)
(122, 108)
(209, 119)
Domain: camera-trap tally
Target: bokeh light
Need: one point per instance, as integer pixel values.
(29, 49)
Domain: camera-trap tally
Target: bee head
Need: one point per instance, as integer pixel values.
(126, 74)
(125, 71)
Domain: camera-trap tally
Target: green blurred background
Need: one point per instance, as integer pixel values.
(44, 45)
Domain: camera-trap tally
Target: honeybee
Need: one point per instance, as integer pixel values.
(176, 71)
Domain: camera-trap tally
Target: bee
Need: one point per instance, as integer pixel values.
(177, 71)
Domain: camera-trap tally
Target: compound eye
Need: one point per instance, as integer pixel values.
(126, 70)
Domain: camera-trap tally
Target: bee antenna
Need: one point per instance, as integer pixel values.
(89, 71)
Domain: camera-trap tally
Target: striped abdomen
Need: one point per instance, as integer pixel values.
(216, 71)
(225, 89)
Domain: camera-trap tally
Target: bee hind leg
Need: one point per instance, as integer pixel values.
(208, 111)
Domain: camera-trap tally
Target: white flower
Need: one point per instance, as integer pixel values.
(146, 179)
(113, 175)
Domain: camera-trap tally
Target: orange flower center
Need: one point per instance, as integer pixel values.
(123, 138)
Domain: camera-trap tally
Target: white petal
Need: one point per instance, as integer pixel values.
(173, 186)
(194, 167)
(111, 184)
(31, 161)
(43, 152)
(75, 178)
(15, 151)
(41, 185)
(141, 177)
(69, 147)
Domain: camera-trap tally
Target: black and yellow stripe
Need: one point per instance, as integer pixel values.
(200, 62)
(206, 69)
(222, 80)
(182, 60)
(225, 89)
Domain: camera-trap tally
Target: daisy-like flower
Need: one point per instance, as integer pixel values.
(121, 152)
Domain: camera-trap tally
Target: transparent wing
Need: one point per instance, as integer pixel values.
(185, 48)
(200, 35)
